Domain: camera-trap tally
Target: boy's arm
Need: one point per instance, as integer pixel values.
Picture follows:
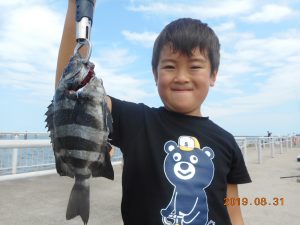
(234, 212)
(68, 43)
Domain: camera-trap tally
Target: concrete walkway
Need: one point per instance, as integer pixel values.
(43, 200)
(266, 183)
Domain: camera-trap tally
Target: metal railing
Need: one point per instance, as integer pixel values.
(262, 145)
(23, 135)
(24, 156)
(21, 156)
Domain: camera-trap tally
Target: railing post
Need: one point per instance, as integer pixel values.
(14, 160)
(259, 151)
(281, 146)
(272, 147)
(256, 145)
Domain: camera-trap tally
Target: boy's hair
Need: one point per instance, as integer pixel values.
(184, 35)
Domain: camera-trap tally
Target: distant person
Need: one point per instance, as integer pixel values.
(179, 166)
(269, 134)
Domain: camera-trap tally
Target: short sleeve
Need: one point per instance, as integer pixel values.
(127, 117)
(238, 173)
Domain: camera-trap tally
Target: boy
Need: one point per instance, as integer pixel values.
(178, 165)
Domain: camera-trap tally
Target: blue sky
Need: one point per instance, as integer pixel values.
(258, 84)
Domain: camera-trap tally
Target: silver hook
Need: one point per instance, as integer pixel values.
(81, 43)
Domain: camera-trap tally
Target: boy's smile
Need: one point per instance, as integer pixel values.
(183, 81)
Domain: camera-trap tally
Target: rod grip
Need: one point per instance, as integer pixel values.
(84, 8)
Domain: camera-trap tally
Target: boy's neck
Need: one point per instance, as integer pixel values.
(195, 113)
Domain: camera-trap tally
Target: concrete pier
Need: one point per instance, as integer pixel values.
(43, 200)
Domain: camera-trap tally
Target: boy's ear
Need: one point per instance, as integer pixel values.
(155, 76)
(213, 78)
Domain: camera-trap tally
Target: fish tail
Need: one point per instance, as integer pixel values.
(79, 202)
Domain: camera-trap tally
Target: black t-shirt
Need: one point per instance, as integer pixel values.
(176, 167)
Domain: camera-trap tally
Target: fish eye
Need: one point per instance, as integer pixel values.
(194, 159)
(177, 157)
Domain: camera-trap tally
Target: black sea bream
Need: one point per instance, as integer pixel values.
(79, 122)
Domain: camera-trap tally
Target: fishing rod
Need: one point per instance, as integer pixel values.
(84, 21)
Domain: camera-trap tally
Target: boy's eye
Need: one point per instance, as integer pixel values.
(195, 67)
(168, 67)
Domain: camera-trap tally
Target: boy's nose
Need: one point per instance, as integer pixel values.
(181, 77)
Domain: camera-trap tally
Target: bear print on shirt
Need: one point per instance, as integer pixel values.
(190, 170)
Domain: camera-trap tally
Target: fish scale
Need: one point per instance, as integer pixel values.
(79, 122)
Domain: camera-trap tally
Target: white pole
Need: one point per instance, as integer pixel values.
(272, 147)
(256, 145)
(14, 161)
(259, 151)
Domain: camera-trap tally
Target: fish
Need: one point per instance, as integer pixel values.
(79, 123)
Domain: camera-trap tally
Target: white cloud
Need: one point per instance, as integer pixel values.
(272, 51)
(29, 37)
(211, 9)
(122, 85)
(245, 57)
(146, 38)
(225, 27)
(115, 57)
(110, 65)
(277, 58)
(4, 3)
(270, 13)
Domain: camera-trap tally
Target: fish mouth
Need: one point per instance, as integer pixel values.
(86, 80)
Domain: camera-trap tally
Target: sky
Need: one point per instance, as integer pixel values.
(258, 84)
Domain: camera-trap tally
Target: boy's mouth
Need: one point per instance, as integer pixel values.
(181, 89)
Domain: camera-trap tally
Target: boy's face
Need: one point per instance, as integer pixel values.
(182, 81)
